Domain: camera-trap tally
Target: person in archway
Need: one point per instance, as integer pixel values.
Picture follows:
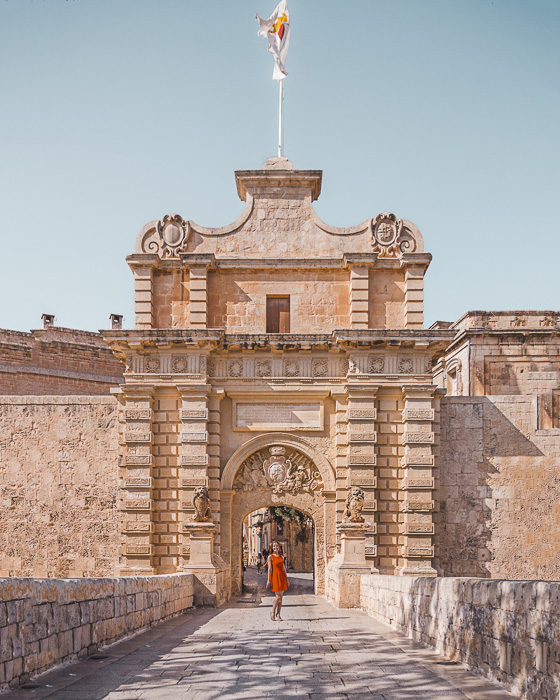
(277, 580)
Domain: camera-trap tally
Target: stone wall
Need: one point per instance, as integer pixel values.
(499, 486)
(58, 486)
(171, 296)
(46, 622)
(319, 300)
(57, 361)
(505, 630)
(386, 298)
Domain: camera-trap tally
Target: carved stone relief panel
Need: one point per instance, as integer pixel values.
(180, 364)
(406, 365)
(152, 364)
(263, 368)
(235, 368)
(291, 368)
(279, 469)
(376, 364)
(320, 367)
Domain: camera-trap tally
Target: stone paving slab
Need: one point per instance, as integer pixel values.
(237, 652)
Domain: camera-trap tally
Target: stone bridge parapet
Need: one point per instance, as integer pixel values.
(46, 622)
(505, 630)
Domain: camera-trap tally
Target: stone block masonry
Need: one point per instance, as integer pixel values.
(498, 490)
(57, 361)
(46, 622)
(504, 630)
(58, 486)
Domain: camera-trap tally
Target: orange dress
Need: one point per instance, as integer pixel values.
(278, 578)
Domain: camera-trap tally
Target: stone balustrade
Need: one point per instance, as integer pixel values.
(507, 631)
(46, 622)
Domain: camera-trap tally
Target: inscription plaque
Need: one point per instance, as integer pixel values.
(279, 416)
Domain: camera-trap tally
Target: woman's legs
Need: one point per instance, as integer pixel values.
(276, 605)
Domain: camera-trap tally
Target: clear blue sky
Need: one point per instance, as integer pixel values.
(116, 112)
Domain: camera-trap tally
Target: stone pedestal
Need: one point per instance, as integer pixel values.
(346, 568)
(210, 572)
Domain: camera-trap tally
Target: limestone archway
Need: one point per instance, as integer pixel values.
(278, 469)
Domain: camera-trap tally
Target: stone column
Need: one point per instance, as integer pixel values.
(362, 459)
(214, 469)
(136, 501)
(414, 296)
(198, 296)
(197, 546)
(143, 289)
(329, 534)
(418, 463)
(359, 296)
(340, 464)
(193, 441)
(226, 499)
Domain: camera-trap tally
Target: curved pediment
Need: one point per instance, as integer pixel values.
(279, 221)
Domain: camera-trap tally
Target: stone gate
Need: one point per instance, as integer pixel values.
(278, 360)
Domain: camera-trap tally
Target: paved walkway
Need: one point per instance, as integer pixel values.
(238, 652)
(253, 582)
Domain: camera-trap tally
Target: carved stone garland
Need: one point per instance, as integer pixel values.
(278, 469)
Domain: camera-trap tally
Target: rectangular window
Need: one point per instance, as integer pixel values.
(277, 314)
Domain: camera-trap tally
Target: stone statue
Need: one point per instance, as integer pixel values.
(201, 503)
(354, 506)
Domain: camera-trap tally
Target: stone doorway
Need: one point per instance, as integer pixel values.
(294, 531)
(278, 470)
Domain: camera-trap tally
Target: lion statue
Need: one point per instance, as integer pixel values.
(201, 503)
(354, 506)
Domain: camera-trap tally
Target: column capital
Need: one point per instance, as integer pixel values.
(138, 391)
(419, 390)
(192, 391)
(362, 390)
(217, 394)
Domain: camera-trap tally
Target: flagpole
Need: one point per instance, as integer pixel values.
(280, 118)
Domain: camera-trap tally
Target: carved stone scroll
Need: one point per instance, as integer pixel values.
(168, 238)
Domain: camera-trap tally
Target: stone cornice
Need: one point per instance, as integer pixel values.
(348, 260)
(432, 341)
(510, 335)
(251, 180)
(422, 339)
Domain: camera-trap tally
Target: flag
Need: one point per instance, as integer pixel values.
(277, 29)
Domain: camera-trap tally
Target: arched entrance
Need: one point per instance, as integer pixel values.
(283, 470)
(294, 531)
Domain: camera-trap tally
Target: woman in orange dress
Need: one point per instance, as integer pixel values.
(277, 580)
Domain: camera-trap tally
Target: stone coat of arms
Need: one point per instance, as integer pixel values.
(273, 469)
